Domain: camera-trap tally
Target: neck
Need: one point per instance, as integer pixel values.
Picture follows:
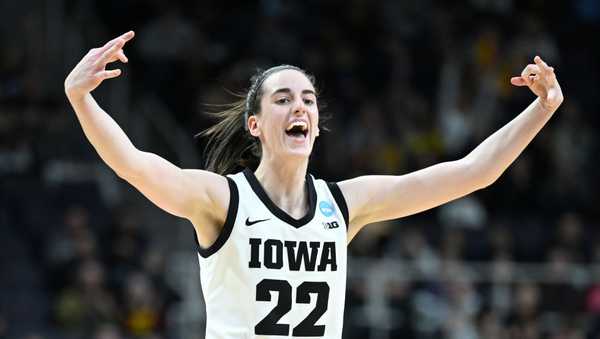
(284, 182)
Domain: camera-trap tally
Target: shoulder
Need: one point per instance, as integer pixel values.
(213, 187)
(217, 197)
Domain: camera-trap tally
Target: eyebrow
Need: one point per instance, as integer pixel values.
(287, 90)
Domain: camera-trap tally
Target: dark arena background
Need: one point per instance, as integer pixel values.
(407, 84)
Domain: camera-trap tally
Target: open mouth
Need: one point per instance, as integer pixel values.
(297, 129)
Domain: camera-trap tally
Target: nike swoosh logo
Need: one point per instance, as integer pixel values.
(250, 223)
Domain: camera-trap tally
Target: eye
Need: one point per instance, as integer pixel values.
(309, 102)
(283, 100)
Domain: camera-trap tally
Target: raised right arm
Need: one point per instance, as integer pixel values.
(199, 196)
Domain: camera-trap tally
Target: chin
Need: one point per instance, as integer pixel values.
(300, 152)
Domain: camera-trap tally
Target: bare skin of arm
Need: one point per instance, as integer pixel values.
(199, 196)
(379, 197)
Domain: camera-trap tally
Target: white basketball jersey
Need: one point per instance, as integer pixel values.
(269, 275)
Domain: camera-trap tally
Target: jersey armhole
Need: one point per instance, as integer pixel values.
(227, 227)
(339, 199)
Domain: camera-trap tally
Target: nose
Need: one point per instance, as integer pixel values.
(299, 107)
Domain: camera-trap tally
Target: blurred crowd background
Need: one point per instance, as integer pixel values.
(407, 84)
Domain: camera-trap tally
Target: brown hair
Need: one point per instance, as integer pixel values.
(230, 146)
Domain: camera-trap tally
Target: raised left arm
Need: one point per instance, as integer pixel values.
(379, 197)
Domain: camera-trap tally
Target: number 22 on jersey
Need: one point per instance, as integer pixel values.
(270, 325)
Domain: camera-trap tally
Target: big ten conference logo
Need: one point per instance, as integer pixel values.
(326, 208)
(330, 225)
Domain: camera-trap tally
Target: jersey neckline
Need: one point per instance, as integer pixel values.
(278, 212)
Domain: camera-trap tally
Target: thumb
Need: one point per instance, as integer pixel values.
(518, 81)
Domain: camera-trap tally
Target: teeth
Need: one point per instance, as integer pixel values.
(298, 123)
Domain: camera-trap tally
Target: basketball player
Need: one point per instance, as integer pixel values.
(272, 242)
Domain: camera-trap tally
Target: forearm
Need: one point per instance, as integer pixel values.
(493, 156)
(105, 135)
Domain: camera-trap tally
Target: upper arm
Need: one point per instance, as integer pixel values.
(381, 197)
(187, 193)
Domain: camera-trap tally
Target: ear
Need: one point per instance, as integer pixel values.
(253, 126)
(318, 130)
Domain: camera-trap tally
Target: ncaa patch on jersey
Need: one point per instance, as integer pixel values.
(326, 208)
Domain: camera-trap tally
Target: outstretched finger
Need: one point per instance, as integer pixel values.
(121, 56)
(125, 37)
(542, 65)
(128, 36)
(110, 54)
(518, 81)
(109, 74)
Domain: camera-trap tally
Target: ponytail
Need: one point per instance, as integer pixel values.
(229, 145)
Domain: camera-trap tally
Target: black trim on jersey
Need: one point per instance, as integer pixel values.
(339, 199)
(227, 227)
(278, 212)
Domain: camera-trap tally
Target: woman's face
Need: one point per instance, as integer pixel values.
(287, 123)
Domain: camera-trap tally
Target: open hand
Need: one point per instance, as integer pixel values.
(541, 80)
(91, 70)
